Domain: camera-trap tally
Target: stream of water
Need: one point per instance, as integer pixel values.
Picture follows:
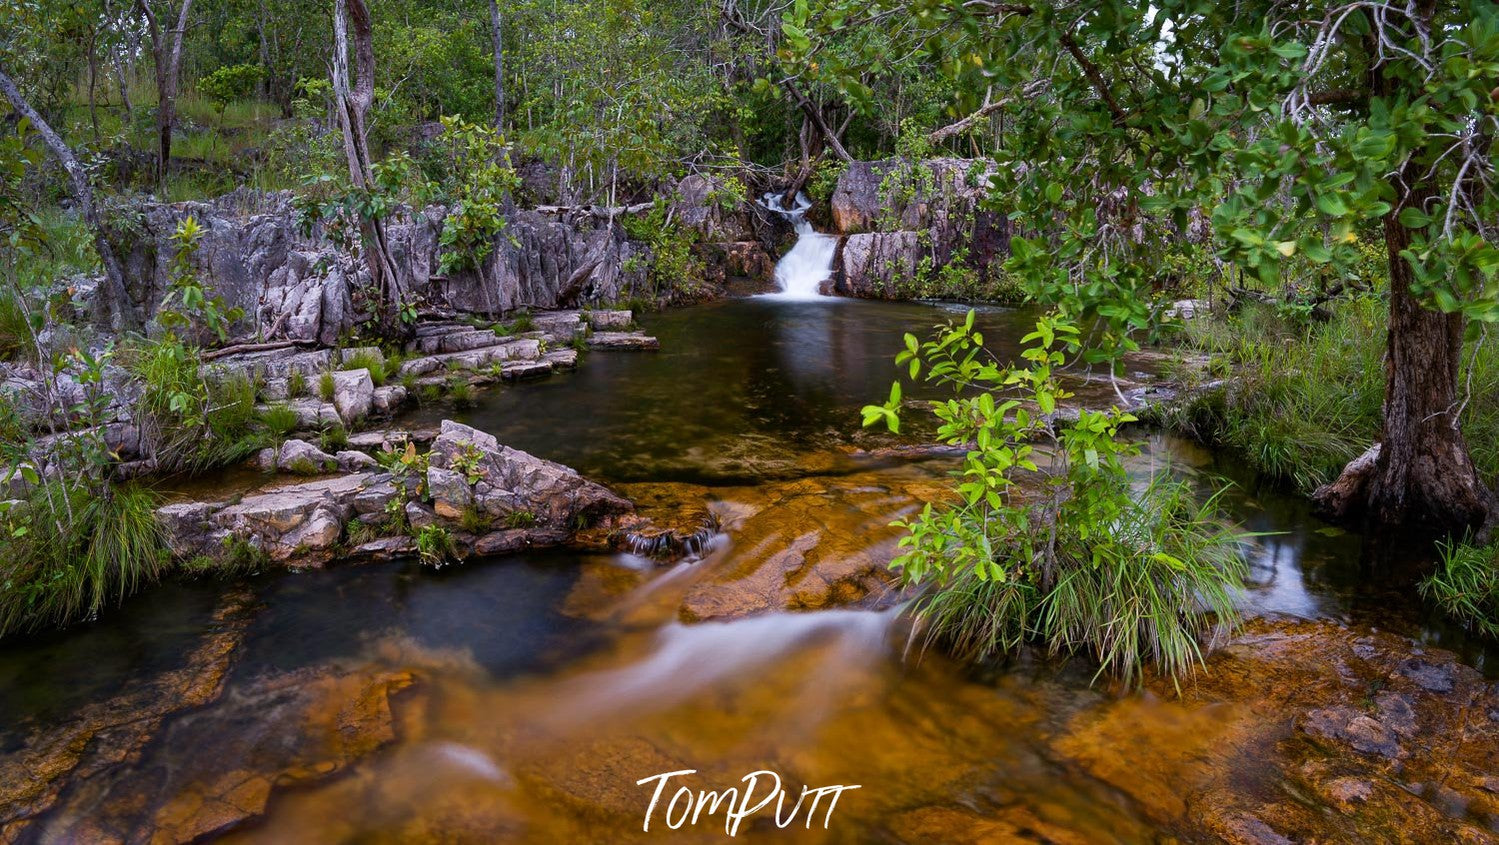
(522, 698)
(809, 263)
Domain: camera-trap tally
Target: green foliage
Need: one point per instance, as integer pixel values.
(296, 384)
(473, 520)
(326, 386)
(674, 267)
(280, 420)
(57, 569)
(1055, 546)
(230, 82)
(1306, 397)
(461, 391)
(365, 359)
(435, 545)
(334, 439)
(520, 519)
(481, 184)
(1466, 586)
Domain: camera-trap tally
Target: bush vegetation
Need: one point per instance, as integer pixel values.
(1056, 547)
(1305, 396)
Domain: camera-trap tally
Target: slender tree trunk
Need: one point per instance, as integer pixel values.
(497, 33)
(168, 55)
(114, 301)
(355, 93)
(93, 80)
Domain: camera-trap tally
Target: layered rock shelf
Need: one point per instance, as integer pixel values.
(483, 498)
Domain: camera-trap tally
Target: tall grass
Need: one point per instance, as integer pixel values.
(1466, 586)
(1151, 587)
(80, 553)
(1303, 398)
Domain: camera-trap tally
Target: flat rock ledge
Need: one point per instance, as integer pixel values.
(442, 352)
(469, 490)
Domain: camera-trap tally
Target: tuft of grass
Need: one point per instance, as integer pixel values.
(474, 521)
(520, 519)
(296, 384)
(280, 420)
(62, 569)
(367, 360)
(1151, 587)
(461, 392)
(326, 386)
(334, 439)
(522, 322)
(1466, 586)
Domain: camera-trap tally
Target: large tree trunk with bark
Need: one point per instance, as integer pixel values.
(113, 299)
(1422, 472)
(355, 93)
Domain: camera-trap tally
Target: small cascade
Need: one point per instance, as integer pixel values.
(810, 262)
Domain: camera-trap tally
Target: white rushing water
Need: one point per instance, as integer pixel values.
(810, 262)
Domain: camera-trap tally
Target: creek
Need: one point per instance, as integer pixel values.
(522, 698)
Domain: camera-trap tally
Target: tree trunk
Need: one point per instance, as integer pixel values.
(497, 32)
(114, 301)
(168, 56)
(1423, 473)
(355, 93)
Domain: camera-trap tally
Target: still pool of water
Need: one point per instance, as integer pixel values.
(522, 698)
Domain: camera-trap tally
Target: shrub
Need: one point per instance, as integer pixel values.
(1466, 586)
(1075, 559)
(72, 552)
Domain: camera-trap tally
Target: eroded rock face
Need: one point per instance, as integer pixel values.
(901, 217)
(295, 285)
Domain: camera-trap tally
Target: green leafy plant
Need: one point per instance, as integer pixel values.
(483, 181)
(435, 545)
(1056, 546)
(520, 519)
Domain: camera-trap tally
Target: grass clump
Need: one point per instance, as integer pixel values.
(326, 386)
(280, 420)
(1466, 586)
(473, 520)
(296, 384)
(1056, 548)
(70, 553)
(461, 392)
(367, 359)
(520, 519)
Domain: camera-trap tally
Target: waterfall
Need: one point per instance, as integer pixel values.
(810, 262)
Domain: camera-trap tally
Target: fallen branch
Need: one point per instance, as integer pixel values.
(237, 349)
